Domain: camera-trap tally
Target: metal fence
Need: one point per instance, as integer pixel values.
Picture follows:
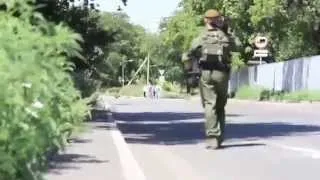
(294, 75)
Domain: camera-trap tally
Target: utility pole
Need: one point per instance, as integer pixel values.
(123, 63)
(122, 73)
(147, 60)
(139, 69)
(148, 68)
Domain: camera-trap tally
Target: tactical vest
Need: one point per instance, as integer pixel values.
(215, 49)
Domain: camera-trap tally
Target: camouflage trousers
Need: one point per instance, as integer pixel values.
(214, 94)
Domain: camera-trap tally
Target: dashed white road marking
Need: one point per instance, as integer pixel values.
(131, 168)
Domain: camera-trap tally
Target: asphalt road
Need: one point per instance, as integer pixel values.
(265, 141)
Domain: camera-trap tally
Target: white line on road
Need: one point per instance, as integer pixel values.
(309, 152)
(130, 166)
(313, 153)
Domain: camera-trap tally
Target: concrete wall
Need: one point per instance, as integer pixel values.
(294, 75)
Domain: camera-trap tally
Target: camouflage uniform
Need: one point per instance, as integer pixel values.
(213, 87)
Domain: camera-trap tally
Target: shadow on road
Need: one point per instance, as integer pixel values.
(226, 146)
(75, 158)
(188, 128)
(70, 161)
(63, 161)
(79, 140)
(161, 116)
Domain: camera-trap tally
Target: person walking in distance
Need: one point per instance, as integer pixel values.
(145, 91)
(212, 49)
(157, 89)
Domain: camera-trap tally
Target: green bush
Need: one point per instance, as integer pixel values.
(171, 87)
(250, 92)
(85, 83)
(39, 104)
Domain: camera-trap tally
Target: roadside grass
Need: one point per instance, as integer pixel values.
(135, 90)
(249, 92)
(303, 96)
(262, 94)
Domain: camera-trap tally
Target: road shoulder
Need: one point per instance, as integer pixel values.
(92, 155)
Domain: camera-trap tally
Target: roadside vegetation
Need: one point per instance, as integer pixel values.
(262, 94)
(40, 107)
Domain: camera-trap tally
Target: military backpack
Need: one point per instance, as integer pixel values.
(215, 49)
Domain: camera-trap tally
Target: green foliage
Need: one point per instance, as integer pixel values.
(237, 61)
(135, 90)
(85, 83)
(172, 90)
(292, 26)
(170, 87)
(108, 39)
(302, 96)
(128, 42)
(39, 104)
(175, 74)
(262, 94)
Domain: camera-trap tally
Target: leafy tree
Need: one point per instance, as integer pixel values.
(292, 26)
(109, 39)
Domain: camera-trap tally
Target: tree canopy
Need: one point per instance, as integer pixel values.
(292, 26)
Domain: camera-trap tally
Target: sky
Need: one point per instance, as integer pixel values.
(147, 13)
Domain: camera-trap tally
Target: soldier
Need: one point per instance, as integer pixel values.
(212, 49)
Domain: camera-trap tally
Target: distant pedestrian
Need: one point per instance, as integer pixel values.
(150, 91)
(154, 91)
(145, 91)
(158, 90)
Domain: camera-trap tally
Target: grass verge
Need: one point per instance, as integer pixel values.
(263, 94)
